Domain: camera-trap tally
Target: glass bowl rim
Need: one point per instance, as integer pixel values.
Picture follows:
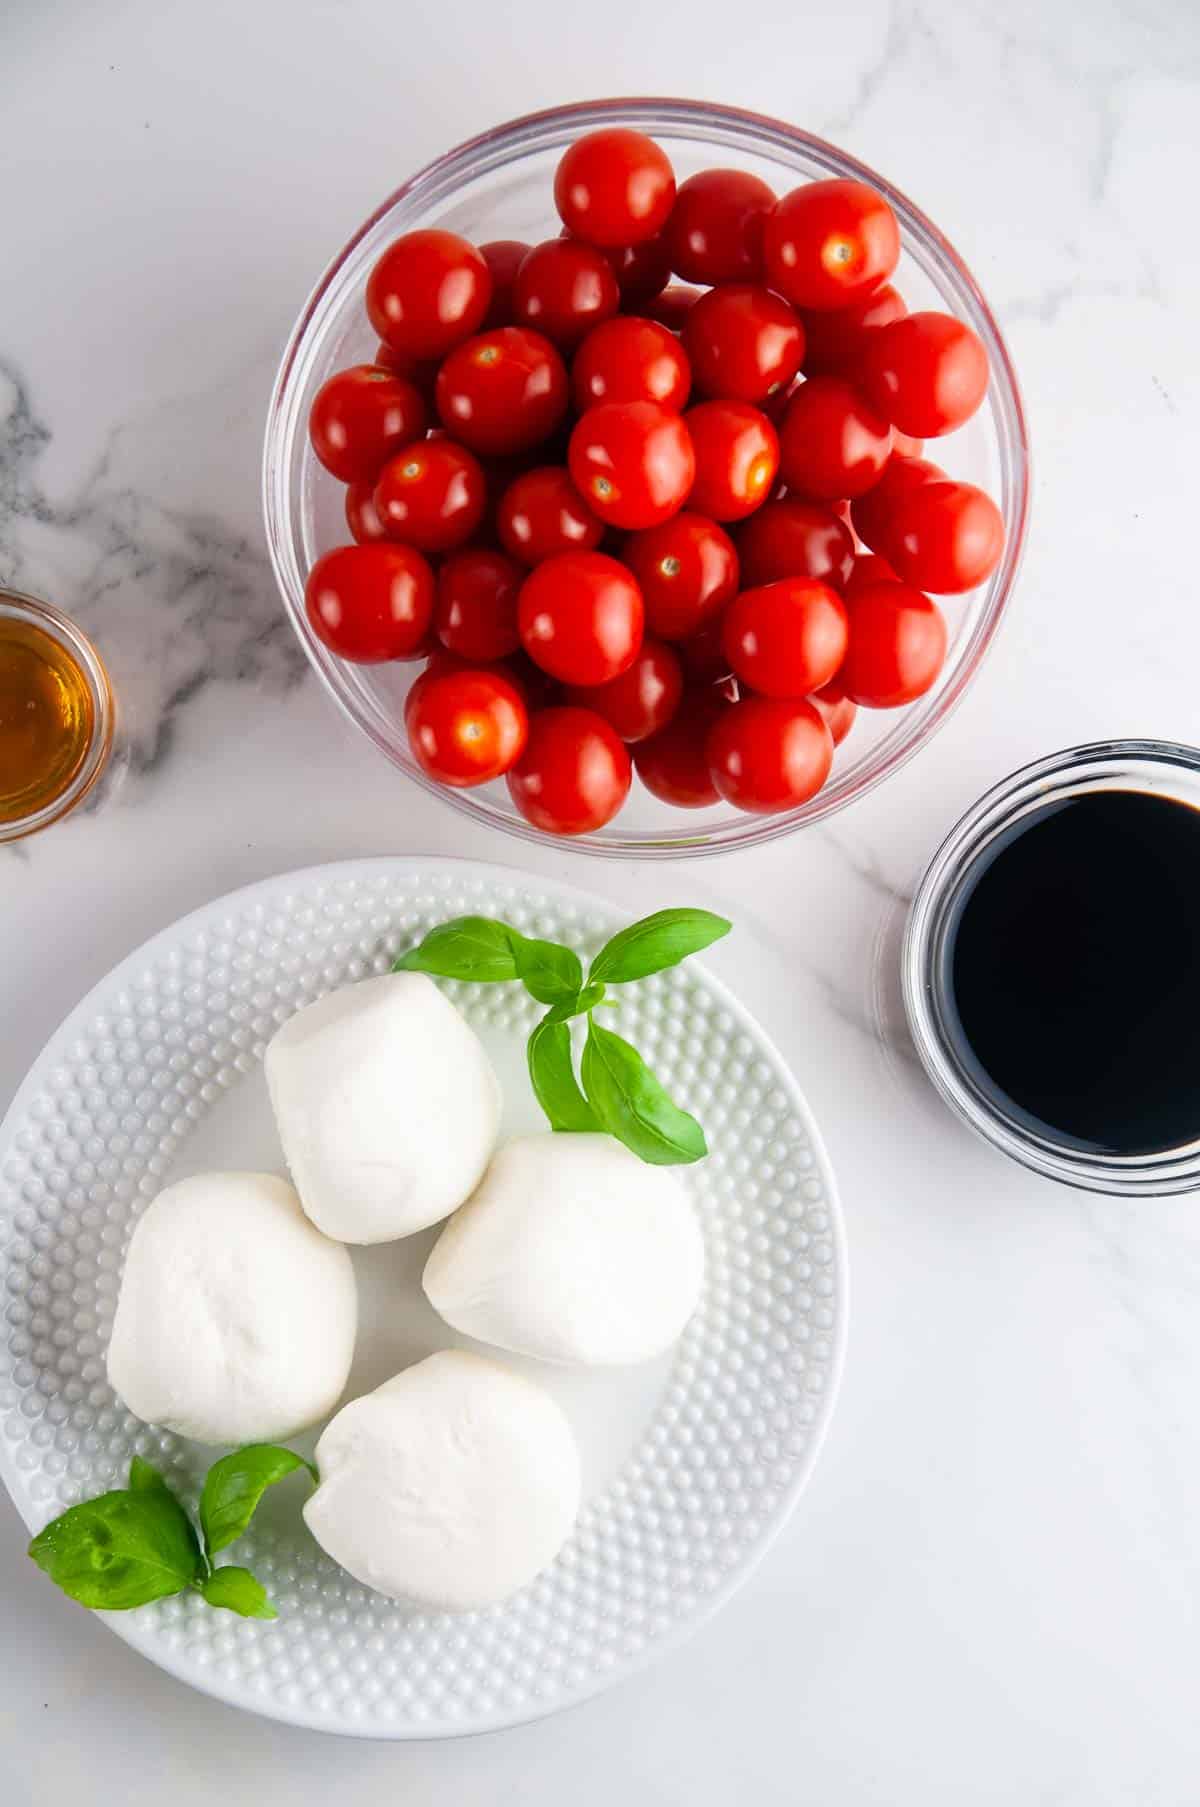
(922, 238)
(20, 605)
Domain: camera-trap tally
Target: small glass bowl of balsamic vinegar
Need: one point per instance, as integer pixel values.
(1051, 967)
(56, 715)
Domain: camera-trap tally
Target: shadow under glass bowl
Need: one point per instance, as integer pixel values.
(500, 186)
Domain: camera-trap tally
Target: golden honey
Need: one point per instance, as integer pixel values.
(47, 718)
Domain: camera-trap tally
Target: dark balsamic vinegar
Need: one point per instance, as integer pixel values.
(1071, 972)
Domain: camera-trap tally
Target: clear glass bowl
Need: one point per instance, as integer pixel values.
(500, 186)
(1158, 767)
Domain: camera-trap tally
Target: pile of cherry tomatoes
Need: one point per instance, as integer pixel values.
(614, 514)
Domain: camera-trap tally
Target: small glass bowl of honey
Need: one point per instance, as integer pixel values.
(56, 715)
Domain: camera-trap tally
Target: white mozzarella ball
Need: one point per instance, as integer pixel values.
(235, 1321)
(450, 1486)
(573, 1250)
(387, 1107)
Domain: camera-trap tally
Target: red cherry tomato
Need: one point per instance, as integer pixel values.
(503, 258)
(466, 727)
(370, 603)
(632, 462)
(830, 243)
(836, 709)
(580, 617)
(502, 391)
(475, 615)
(871, 513)
(643, 699)
(743, 342)
(614, 187)
(630, 360)
(360, 417)
(944, 536)
(642, 271)
(834, 337)
(687, 570)
(672, 307)
(737, 456)
(362, 516)
(574, 774)
(432, 495)
(786, 638)
(926, 373)
(715, 231)
(897, 646)
(791, 538)
(564, 288)
(673, 764)
(832, 442)
(427, 292)
(869, 569)
(541, 513)
(767, 754)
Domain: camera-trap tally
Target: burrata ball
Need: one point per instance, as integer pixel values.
(450, 1486)
(235, 1321)
(387, 1107)
(572, 1250)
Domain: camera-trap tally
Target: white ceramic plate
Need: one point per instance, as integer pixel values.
(691, 1464)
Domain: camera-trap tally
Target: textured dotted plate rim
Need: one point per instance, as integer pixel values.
(143, 1630)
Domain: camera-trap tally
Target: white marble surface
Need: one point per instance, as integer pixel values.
(990, 1592)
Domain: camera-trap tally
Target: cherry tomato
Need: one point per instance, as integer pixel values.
(832, 442)
(614, 187)
(541, 513)
(362, 516)
(926, 373)
(687, 570)
(703, 657)
(643, 699)
(737, 456)
(791, 538)
(564, 288)
(632, 462)
(786, 638)
(574, 774)
(830, 243)
(869, 569)
(427, 292)
(475, 615)
(836, 708)
(944, 536)
(370, 603)
(642, 271)
(502, 391)
(503, 258)
(897, 646)
(673, 764)
(768, 754)
(834, 337)
(580, 616)
(671, 308)
(630, 360)
(743, 342)
(715, 232)
(360, 417)
(432, 495)
(871, 513)
(466, 727)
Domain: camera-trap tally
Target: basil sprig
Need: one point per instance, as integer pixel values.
(620, 1093)
(137, 1543)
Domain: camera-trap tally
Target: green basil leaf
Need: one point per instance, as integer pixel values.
(121, 1550)
(549, 973)
(143, 1476)
(632, 1105)
(656, 942)
(237, 1590)
(234, 1486)
(553, 1077)
(468, 947)
(579, 1005)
